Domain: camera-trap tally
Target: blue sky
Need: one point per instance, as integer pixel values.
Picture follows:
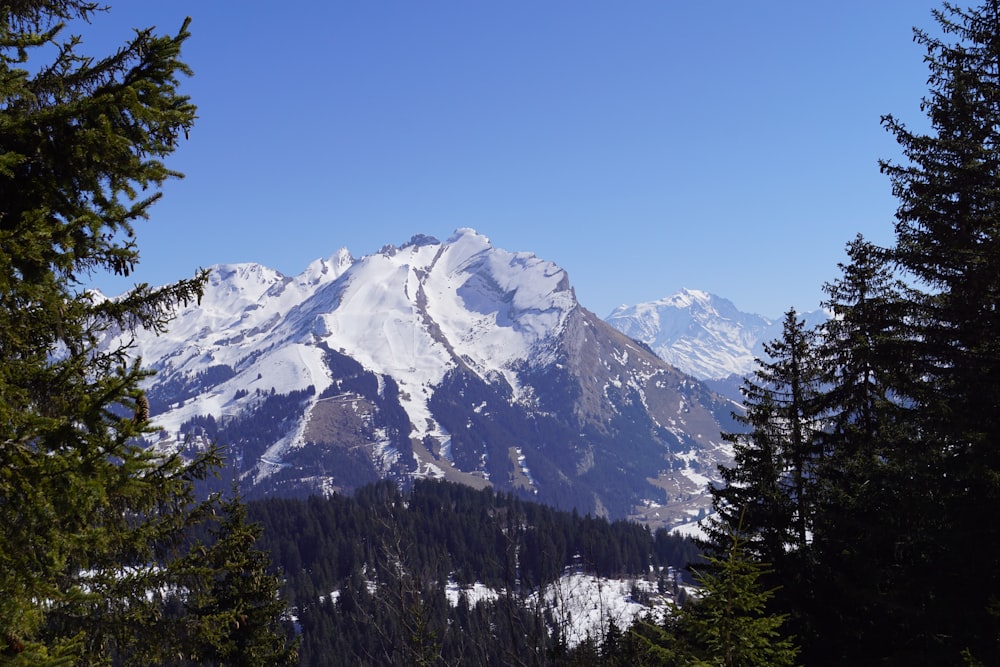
(643, 146)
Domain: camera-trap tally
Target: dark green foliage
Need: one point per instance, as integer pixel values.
(92, 525)
(727, 625)
(388, 555)
(232, 613)
(769, 498)
(948, 243)
(864, 503)
(899, 564)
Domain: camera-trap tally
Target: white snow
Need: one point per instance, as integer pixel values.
(474, 594)
(701, 334)
(584, 604)
(410, 313)
(522, 464)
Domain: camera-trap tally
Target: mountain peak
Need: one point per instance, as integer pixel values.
(686, 298)
(700, 333)
(426, 303)
(454, 359)
(324, 269)
(419, 240)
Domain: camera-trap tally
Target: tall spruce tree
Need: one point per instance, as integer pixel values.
(865, 351)
(769, 488)
(229, 608)
(948, 245)
(92, 524)
(770, 492)
(752, 494)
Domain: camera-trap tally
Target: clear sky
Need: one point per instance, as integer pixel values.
(642, 145)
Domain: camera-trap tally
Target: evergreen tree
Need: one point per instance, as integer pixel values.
(865, 350)
(752, 486)
(791, 376)
(770, 493)
(233, 609)
(948, 245)
(728, 624)
(906, 462)
(769, 489)
(91, 524)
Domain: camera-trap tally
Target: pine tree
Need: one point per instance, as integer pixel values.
(728, 623)
(865, 351)
(948, 245)
(769, 488)
(233, 609)
(91, 523)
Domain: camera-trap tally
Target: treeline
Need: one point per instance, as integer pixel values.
(180, 389)
(251, 433)
(366, 575)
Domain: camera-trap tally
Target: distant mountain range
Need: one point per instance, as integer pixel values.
(704, 335)
(455, 360)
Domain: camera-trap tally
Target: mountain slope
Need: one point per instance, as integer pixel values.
(702, 334)
(454, 360)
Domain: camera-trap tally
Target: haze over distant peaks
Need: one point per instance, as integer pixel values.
(702, 334)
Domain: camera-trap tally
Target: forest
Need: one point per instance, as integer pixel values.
(366, 574)
(856, 525)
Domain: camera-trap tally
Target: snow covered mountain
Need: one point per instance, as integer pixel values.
(456, 360)
(702, 334)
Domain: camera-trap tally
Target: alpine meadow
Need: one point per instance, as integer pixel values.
(518, 507)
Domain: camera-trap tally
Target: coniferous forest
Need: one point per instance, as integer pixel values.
(856, 525)
(366, 575)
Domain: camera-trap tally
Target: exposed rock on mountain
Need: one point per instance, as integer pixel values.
(455, 360)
